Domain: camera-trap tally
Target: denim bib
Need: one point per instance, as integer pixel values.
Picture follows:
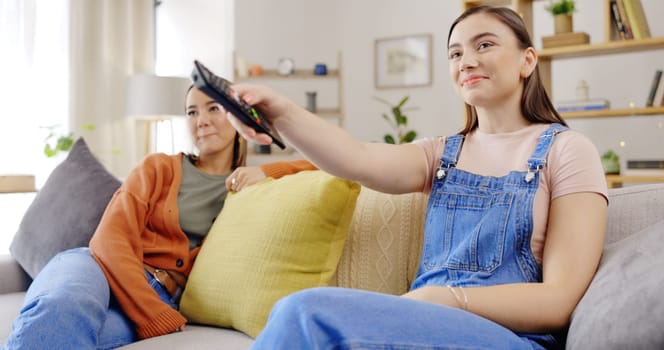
(478, 228)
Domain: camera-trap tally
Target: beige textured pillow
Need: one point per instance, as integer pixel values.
(270, 240)
(384, 242)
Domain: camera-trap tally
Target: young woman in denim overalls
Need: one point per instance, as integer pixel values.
(514, 225)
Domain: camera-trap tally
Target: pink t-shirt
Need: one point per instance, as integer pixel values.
(573, 165)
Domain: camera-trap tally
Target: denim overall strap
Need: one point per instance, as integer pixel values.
(450, 155)
(537, 160)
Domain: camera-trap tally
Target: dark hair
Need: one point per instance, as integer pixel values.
(535, 103)
(239, 144)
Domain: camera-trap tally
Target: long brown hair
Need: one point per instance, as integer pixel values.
(535, 103)
(239, 145)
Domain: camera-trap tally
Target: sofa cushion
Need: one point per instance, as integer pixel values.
(65, 211)
(195, 337)
(623, 307)
(384, 241)
(10, 305)
(633, 208)
(271, 239)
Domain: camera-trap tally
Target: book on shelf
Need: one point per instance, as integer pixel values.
(618, 21)
(629, 31)
(653, 88)
(637, 19)
(582, 105)
(645, 164)
(565, 39)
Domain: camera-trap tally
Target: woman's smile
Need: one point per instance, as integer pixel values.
(472, 80)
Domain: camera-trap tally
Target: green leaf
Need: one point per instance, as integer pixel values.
(88, 127)
(382, 100)
(403, 101)
(398, 121)
(409, 137)
(65, 143)
(561, 7)
(389, 121)
(49, 151)
(396, 112)
(403, 120)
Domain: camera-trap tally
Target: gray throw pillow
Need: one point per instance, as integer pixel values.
(65, 211)
(624, 305)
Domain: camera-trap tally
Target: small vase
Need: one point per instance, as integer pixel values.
(311, 101)
(263, 149)
(563, 24)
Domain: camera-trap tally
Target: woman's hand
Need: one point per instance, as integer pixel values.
(268, 103)
(433, 294)
(243, 177)
(247, 132)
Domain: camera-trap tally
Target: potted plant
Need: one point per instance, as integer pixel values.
(562, 11)
(398, 122)
(610, 162)
(56, 142)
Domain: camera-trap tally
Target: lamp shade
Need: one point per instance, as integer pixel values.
(153, 97)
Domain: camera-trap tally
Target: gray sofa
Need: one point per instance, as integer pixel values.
(623, 308)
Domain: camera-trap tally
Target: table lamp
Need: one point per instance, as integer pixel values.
(155, 99)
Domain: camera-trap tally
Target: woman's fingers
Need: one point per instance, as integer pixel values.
(243, 177)
(247, 132)
(231, 182)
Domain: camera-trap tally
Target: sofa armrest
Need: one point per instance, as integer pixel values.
(12, 277)
(632, 209)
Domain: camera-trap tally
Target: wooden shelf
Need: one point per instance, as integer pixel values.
(607, 48)
(614, 181)
(328, 112)
(612, 113)
(473, 3)
(334, 114)
(297, 74)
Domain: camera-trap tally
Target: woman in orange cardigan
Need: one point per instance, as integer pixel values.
(126, 286)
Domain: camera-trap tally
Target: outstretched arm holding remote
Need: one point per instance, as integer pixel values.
(383, 167)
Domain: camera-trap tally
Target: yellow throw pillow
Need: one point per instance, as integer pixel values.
(271, 239)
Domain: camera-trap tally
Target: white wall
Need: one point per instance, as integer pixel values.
(188, 30)
(266, 30)
(440, 109)
(194, 29)
(312, 31)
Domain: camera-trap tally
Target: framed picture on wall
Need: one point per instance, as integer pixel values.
(403, 61)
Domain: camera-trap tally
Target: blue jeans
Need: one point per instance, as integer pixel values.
(340, 318)
(69, 305)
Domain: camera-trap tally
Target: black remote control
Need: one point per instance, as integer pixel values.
(219, 89)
